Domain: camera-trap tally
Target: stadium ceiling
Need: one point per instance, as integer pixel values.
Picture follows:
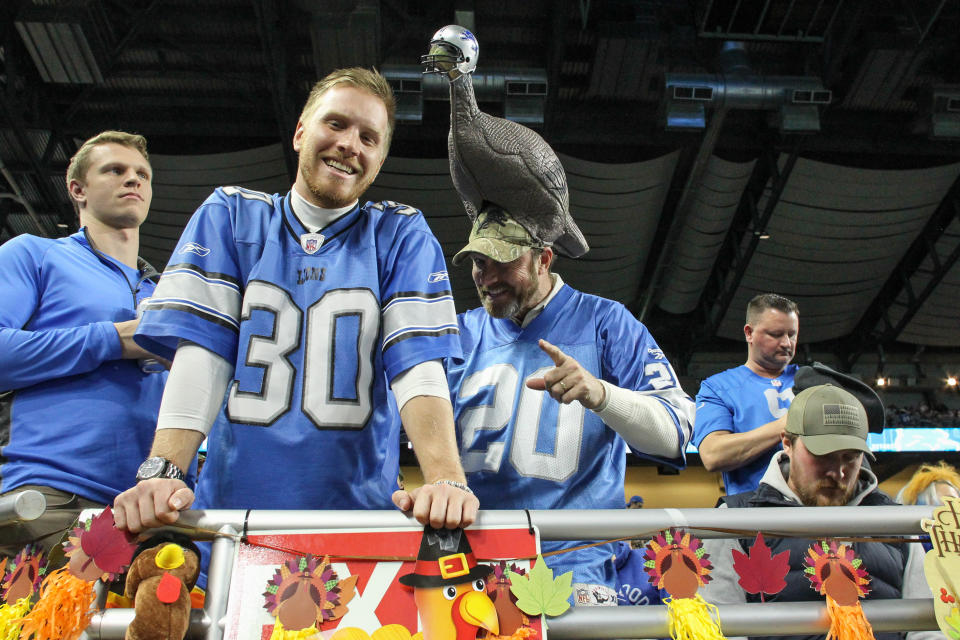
(714, 149)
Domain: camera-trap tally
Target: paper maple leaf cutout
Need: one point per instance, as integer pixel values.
(761, 571)
(109, 548)
(538, 593)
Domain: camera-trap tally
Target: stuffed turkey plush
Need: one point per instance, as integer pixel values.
(159, 581)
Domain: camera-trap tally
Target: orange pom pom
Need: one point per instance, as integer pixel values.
(63, 610)
(847, 623)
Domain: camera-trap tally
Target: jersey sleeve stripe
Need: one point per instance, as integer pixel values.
(402, 296)
(188, 306)
(431, 328)
(216, 296)
(211, 276)
(417, 333)
(676, 402)
(417, 312)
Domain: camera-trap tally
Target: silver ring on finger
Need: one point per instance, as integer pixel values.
(563, 386)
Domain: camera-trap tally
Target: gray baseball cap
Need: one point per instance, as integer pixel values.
(828, 419)
(497, 235)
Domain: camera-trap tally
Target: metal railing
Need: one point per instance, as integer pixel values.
(22, 506)
(586, 622)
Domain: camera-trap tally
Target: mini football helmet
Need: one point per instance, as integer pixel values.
(452, 47)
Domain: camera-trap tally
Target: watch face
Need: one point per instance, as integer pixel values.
(151, 468)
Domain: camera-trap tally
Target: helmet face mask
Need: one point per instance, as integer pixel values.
(442, 58)
(452, 47)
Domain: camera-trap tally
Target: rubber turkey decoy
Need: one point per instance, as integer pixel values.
(497, 161)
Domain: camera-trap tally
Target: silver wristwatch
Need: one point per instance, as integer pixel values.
(157, 467)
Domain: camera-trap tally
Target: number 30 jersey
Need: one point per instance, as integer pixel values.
(317, 324)
(522, 449)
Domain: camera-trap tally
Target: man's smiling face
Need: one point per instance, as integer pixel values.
(342, 144)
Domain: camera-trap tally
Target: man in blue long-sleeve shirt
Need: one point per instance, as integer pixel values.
(82, 405)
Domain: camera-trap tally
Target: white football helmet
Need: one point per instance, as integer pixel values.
(452, 47)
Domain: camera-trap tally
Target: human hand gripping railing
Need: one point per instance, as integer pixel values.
(590, 622)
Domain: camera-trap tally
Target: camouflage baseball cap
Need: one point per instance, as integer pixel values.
(828, 419)
(497, 235)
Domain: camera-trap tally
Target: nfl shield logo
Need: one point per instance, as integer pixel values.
(311, 242)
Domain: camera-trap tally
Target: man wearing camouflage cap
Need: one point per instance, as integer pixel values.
(554, 386)
(824, 441)
(554, 383)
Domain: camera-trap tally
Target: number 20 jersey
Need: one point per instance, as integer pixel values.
(522, 449)
(317, 326)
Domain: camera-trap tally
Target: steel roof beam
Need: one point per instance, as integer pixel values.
(909, 286)
(52, 201)
(17, 93)
(739, 246)
(678, 216)
(141, 20)
(554, 62)
(171, 124)
(269, 23)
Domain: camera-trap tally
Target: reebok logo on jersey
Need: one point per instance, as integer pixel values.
(438, 276)
(656, 353)
(193, 247)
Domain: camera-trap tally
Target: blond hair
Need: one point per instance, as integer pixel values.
(921, 488)
(369, 80)
(80, 162)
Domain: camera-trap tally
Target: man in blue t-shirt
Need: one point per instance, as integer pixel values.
(307, 327)
(742, 411)
(82, 404)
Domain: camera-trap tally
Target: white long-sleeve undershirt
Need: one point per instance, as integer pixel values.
(641, 420)
(199, 377)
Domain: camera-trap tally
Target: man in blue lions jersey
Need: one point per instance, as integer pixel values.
(553, 386)
(305, 310)
(742, 411)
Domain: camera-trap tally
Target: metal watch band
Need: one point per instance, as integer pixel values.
(172, 471)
